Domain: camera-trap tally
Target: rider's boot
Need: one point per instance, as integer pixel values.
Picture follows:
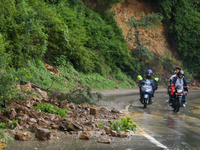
(183, 103)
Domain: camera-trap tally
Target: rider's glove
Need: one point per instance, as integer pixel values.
(139, 77)
(156, 79)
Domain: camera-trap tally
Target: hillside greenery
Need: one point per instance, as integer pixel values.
(183, 18)
(86, 45)
(88, 49)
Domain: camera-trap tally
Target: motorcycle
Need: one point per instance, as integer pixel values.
(177, 93)
(146, 92)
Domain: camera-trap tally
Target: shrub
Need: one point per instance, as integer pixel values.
(49, 108)
(124, 124)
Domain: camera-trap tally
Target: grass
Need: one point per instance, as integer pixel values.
(69, 78)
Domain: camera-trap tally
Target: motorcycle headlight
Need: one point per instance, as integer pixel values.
(148, 90)
(179, 91)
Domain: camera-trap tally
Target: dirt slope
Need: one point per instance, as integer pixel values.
(157, 38)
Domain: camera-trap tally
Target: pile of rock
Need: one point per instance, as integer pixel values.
(80, 117)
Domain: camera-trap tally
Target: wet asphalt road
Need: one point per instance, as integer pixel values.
(169, 130)
(158, 127)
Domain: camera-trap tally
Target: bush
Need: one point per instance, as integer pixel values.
(124, 124)
(183, 19)
(49, 108)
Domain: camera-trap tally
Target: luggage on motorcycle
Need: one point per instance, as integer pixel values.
(173, 90)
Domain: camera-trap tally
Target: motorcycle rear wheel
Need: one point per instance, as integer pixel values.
(176, 106)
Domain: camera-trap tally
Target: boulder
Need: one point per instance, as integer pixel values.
(23, 136)
(43, 123)
(115, 111)
(55, 126)
(27, 86)
(104, 109)
(32, 121)
(52, 116)
(71, 106)
(12, 113)
(114, 133)
(94, 110)
(85, 105)
(107, 130)
(104, 140)
(29, 103)
(23, 109)
(43, 94)
(43, 134)
(63, 104)
(121, 134)
(74, 127)
(22, 118)
(73, 132)
(85, 135)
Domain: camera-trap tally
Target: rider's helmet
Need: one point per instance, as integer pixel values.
(180, 72)
(149, 72)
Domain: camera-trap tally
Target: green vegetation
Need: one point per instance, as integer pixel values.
(183, 18)
(13, 124)
(87, 49)
(86, 45)
(49, 108)
(124, 124)
(5, 135)
(100, 125)
(3, 125)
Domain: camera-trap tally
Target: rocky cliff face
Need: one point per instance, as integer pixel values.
(156, 37)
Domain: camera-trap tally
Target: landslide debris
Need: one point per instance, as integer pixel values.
(80, 118)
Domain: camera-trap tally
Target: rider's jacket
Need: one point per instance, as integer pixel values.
(173, 76)
(177, 81)
(154, 84)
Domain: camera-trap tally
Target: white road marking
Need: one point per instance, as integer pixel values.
(142, 132)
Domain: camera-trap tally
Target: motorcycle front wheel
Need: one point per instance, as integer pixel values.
(145, 102)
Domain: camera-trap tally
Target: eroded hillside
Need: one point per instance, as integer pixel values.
(156, 37)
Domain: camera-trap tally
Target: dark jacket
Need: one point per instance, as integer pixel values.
(154, 84)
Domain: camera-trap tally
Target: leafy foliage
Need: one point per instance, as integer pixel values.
(184, 19)
(5, 135)
(3, 125)
(124, 124)
(49, 108)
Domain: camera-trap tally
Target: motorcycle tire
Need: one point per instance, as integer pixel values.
(177, 106)
(145, 103)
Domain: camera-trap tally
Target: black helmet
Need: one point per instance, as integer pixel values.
(180, 72)
(178, 68)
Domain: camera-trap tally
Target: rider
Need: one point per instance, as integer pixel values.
(154, 84)
(171, 78)
(180, 80)
(175, 75)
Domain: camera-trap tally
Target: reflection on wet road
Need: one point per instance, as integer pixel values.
(158, 127)
(176, 131)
